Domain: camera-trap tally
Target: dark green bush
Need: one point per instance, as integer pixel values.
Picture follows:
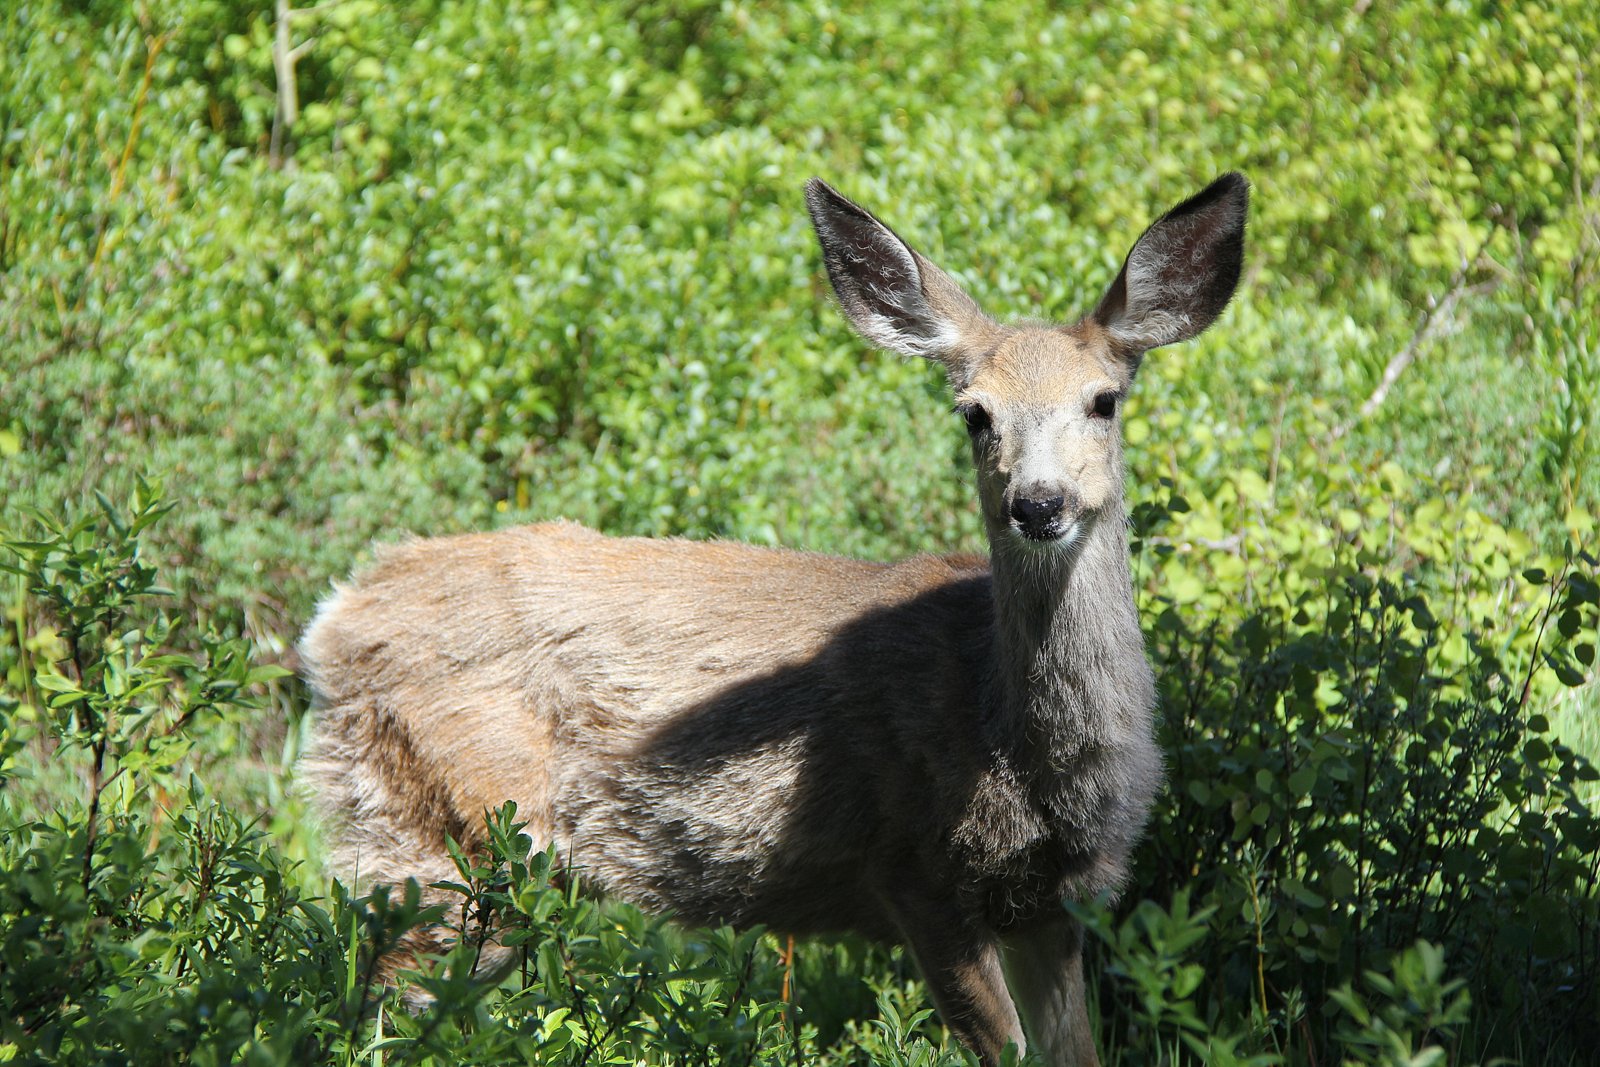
(139, 921)
(1339, 792)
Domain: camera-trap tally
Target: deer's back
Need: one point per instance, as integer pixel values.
(727, 731)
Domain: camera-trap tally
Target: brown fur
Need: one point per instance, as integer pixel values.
(934, 751)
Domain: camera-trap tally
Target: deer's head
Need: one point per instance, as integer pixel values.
(1041, 402)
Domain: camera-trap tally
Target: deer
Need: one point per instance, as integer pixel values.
(935, 752)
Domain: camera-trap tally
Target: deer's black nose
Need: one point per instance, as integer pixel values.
(1035, 516)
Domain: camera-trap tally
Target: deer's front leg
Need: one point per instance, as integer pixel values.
(1044, 970)
(961, 965)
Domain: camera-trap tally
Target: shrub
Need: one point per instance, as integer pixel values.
(1342, 787)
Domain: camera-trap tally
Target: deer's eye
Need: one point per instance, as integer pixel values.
(976, 418)
(1105, 405)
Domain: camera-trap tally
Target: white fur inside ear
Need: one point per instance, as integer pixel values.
(939, 337)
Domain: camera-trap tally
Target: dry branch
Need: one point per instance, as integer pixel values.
(1441, 311)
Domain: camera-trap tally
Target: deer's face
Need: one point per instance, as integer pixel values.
(1043, 411)
(1042, 403)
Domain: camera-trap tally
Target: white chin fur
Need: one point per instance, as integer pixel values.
(1069, 537)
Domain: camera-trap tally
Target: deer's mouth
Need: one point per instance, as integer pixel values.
(1061, 532)
(1042, 535)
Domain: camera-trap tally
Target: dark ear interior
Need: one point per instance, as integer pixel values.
(866, 260)
(878, 279)
(1182, 272)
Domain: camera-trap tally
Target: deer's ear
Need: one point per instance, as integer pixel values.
(1182, 272)
(894, 297)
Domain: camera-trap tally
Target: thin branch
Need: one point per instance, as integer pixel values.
(314, 10)
(285, 54)
(1232, 543)
(152, 49)
(1589, 221)
(284, 57)
(1440, 312)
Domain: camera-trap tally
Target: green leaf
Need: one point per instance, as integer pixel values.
(55, 683)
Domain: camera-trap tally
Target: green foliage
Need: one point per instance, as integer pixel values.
(1150, 961)
(1413, 1004)
(551, 258)
(138, 915)
(121, 697)
(1344, 783)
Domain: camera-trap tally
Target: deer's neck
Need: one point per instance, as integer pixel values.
(1070, 672)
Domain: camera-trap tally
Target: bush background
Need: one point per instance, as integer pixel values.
(516, 260)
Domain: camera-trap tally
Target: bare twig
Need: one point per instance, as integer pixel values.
(287, 111)
(285, 54)
(1438, 313)
(1589, 220)
(314, 10)
(152, 49)
(1232, 543)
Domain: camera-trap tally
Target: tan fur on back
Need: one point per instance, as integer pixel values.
(528, 665)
